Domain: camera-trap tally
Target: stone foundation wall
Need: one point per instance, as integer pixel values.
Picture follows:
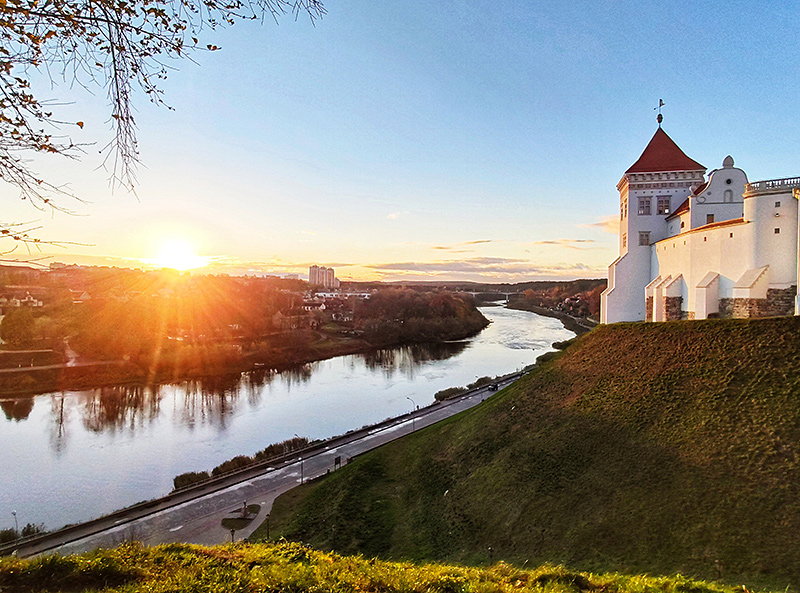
(779, 301)
(649, 309)
(672, 308)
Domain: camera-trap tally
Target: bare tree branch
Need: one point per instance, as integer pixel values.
(120, 45)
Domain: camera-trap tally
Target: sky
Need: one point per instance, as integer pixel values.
(452, 140)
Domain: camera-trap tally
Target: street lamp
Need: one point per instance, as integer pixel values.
(301, 462)
(413, 418)
(16, 525)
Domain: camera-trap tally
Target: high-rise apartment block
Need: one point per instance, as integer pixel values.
(322, 276)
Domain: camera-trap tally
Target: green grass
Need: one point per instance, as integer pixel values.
(659, 448)
(293, 568)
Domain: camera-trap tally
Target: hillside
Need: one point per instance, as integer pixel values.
(182, 568)
(664, 448)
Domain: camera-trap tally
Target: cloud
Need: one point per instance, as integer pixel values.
(568, 243)
(482, 268)
(607, 224)
(462, 244)
(396, 215)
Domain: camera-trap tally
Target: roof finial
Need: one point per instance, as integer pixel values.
(660, 117)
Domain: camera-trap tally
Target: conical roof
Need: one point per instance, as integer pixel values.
(662, 154)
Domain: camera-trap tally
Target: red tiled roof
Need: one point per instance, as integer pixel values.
(662, 154)
(700, 189)
(684, 207)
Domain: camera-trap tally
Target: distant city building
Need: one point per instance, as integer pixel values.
(322, 276)
(692, 247)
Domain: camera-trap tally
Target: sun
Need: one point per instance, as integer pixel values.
(178, 255)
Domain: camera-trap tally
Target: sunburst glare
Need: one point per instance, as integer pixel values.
(178, 255)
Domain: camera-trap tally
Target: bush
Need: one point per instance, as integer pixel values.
(189, 478)
(449, 392)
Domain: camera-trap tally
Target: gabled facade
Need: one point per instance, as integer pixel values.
(692, 247)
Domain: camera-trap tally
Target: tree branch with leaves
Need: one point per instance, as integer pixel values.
(123, 46)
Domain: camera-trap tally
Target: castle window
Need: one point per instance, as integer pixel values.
(644, 237)
(624, 239)
(777, 231)
(683, 224)
(644, 206)
(705, 239)
(777, 204)
(663, 205)
(728, 181)
(709, 218)
(728, 196)
(731, 235)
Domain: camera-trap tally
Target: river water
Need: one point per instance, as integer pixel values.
(71, 456)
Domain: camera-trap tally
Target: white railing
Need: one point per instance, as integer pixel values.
(786, 183)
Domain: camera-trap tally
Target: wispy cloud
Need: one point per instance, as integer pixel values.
(568, 243)
(462, 244)
(497, 268)
(396, 215)
(608, 224)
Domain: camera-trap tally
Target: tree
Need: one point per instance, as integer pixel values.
(119, 45)
(17, 326)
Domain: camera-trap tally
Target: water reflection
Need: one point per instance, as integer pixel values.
(18, 408)
(408, 359)
(58, 434)
(210, 400)
(119, 407)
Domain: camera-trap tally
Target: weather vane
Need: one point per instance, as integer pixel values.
(660, 117)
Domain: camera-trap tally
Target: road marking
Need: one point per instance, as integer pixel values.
(177, 528)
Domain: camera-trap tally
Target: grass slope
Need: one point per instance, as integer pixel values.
(669, 447)
(292, 568)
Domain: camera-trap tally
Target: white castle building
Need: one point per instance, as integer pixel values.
(694, 247)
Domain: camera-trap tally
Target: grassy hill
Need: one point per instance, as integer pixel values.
(292, 568)
(670, 447)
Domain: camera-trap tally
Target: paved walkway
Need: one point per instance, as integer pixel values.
(195, 516)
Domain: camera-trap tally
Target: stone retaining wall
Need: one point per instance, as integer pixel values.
(779, 301)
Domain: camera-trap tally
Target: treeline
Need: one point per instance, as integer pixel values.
(579, 298)
(404, 315)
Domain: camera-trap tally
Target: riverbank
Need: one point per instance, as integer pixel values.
(573, 324)
(283, 351)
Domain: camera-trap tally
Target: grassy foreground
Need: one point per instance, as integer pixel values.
(179, 568)
(663, 448)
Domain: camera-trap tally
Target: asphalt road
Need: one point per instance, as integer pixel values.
(198, 518)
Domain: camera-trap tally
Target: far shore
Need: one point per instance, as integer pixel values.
(573, 324)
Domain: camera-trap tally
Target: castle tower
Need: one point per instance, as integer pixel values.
(649, 191)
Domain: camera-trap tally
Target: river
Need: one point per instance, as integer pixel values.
(72, 456)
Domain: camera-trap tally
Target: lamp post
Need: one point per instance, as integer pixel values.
(301, 462)
(16, 525)
(413, 419)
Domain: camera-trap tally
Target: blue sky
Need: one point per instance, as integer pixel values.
(415, 140)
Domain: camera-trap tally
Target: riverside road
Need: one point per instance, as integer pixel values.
(195, 516)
